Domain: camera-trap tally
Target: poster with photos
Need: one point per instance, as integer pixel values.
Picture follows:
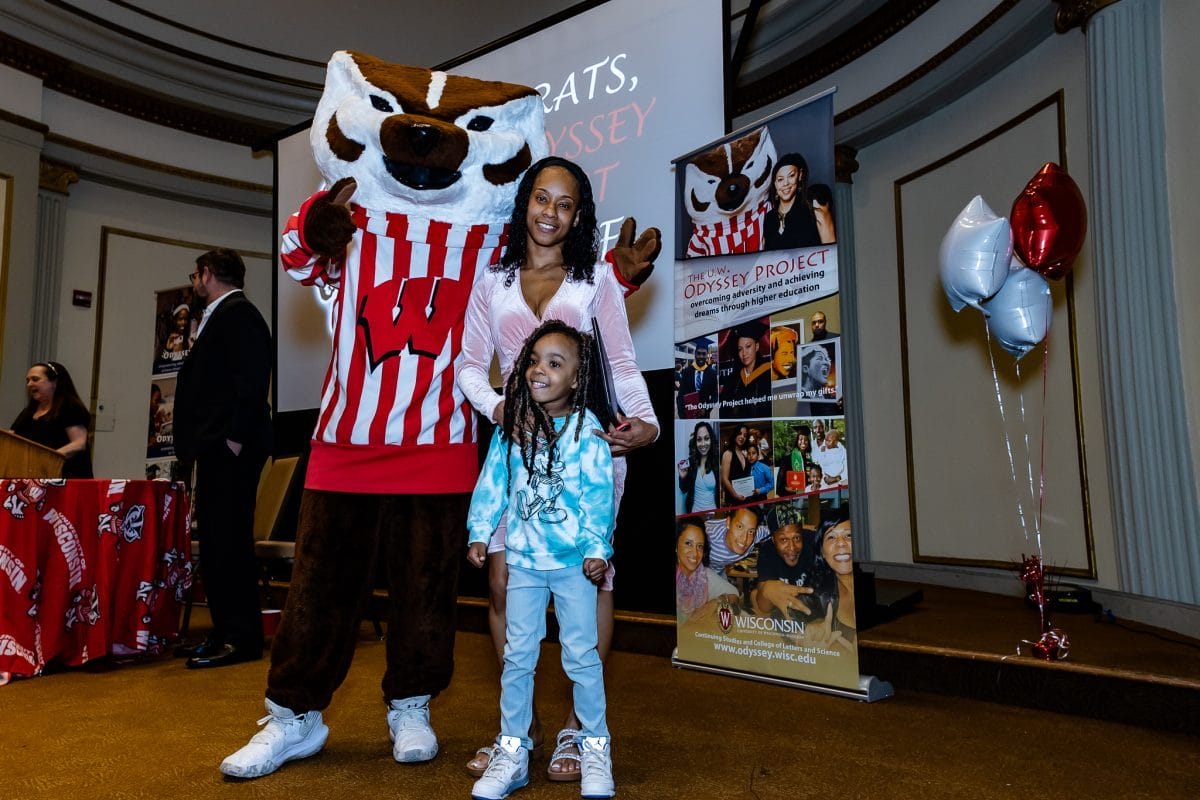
(764, 580)
(177, 316)
(160, 428)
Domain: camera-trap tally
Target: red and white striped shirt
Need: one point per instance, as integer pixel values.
(392, 420)
(740, 234)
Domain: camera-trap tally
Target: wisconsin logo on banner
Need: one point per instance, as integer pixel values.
(760, 426)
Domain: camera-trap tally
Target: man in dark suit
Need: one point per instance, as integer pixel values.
(697, 387)
(223, 426)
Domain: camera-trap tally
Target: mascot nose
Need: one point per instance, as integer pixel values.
(732, 192)
(423, 138)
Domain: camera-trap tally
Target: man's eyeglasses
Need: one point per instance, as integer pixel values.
(194, 275)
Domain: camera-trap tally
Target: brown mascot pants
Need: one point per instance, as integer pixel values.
(421, 539)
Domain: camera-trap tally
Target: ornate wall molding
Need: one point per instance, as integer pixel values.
(54, 176)
(1073, 14)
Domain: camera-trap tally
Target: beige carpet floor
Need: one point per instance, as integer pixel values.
(157, 730)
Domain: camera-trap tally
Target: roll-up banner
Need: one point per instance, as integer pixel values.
(177, 314)
(764, 578)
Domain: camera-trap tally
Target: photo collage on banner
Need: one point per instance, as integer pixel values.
(177, 314)
(764, 568)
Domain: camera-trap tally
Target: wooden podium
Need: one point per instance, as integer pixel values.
(21, 458)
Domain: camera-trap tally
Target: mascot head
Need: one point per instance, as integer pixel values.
(730, 179)
(426, 143)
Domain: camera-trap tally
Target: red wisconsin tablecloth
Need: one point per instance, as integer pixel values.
(89, 567)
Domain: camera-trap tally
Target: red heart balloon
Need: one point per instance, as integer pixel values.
(1048, 222)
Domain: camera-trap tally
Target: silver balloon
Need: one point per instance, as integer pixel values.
(1019, 314)
(975, 255)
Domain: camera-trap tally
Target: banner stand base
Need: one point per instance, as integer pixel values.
(870, 689)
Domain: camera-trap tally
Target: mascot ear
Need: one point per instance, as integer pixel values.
(341, 74)
(342, 79)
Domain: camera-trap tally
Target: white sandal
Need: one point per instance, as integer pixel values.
(562, 743)
(488, 750)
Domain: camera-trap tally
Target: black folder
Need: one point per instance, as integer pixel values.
(603, 403)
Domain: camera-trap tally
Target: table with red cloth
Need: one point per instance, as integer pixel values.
(89, 568)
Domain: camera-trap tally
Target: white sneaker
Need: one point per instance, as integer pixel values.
(408, 726)
(285, 737)
(507, 771)
(595, 768)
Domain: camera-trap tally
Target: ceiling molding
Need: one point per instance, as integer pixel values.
(157, 166)
(108, 167)
(62, 75)
(196, 82)
(829, 57)
(212, 37)
(955, 47)
(24, 122)
(1011, 29)
(191, 55)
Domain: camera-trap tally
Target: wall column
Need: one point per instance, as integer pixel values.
(53, 183)
(1155, 514)
(845, 166)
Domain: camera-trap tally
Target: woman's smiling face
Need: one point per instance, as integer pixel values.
(837, 550)
(690, 548)
(786, 178)
(553, 206)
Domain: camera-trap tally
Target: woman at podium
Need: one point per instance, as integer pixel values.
(56, 417)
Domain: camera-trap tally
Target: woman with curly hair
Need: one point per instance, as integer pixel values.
(833, 586)
(549, 272)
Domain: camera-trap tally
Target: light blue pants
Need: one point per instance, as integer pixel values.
(575, 607)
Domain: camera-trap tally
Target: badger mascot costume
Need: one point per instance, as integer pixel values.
(727, 192)
(422, 169)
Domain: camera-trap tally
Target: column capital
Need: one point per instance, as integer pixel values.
(1075, 13)
(56, 177)
(845, 163)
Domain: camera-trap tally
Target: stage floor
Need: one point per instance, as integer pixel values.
(993, 626)
(964, 643)
(154, 729)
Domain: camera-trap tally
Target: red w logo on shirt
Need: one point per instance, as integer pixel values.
(413, 313)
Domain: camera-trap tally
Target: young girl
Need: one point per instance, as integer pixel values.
(549, 271)
(549, 475)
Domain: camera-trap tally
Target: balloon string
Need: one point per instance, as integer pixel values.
(1042, 465)
(1037, 529)
(1012, 464)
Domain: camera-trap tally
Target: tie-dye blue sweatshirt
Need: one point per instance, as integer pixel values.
(553, 521)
